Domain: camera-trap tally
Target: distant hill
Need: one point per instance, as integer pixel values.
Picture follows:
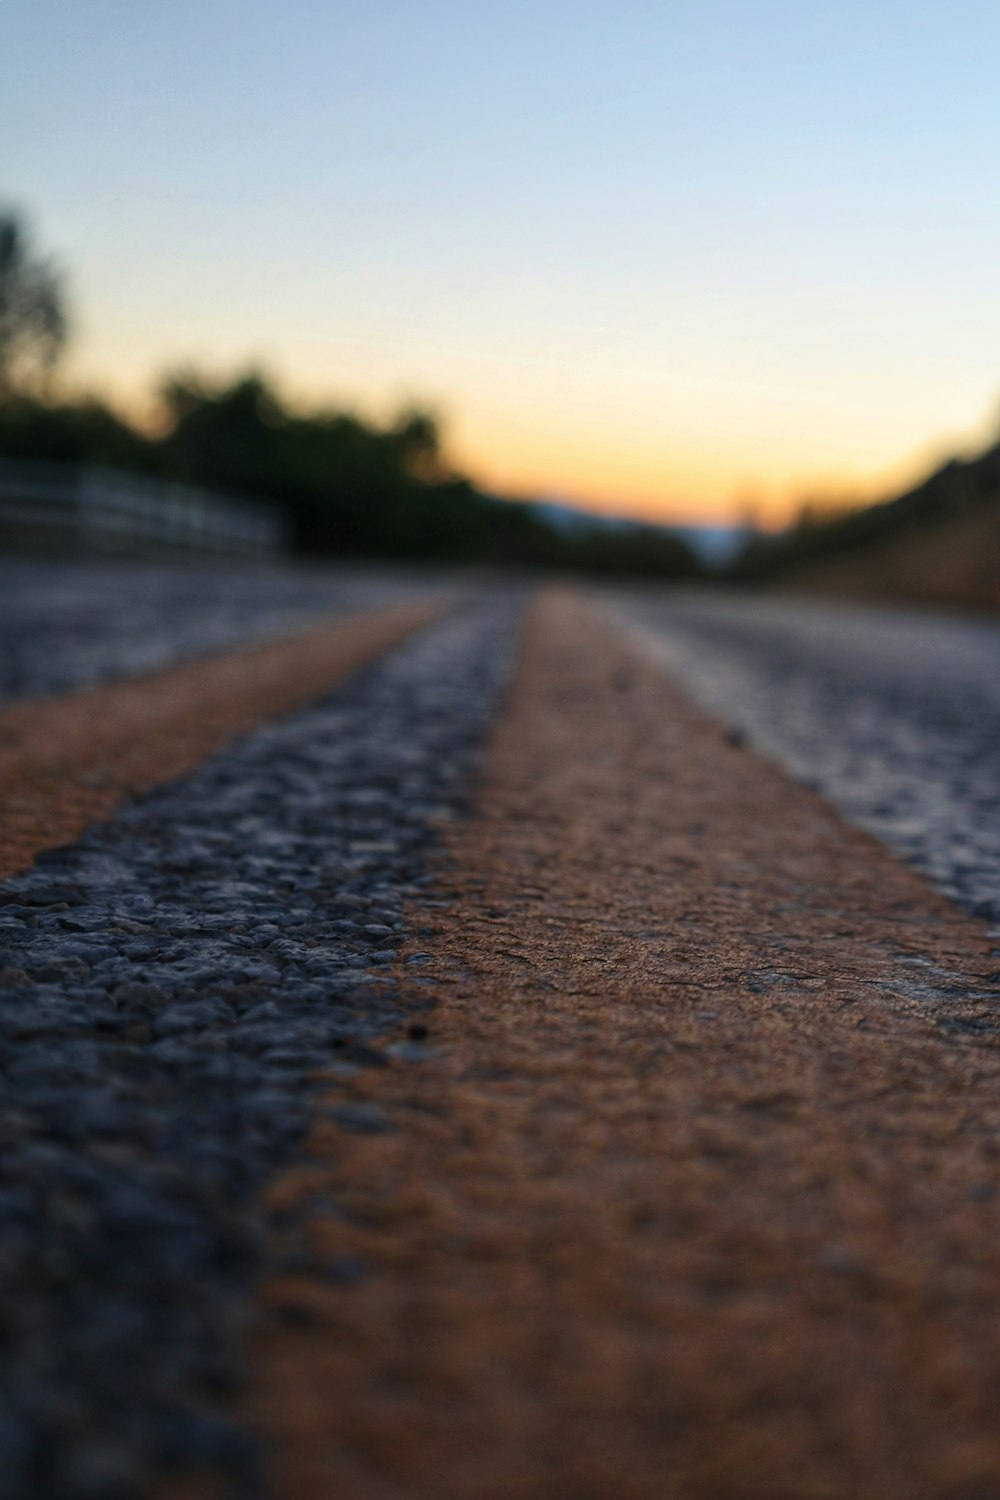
(938, 543)
(715, 546)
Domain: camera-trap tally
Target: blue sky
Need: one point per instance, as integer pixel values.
(670, 258)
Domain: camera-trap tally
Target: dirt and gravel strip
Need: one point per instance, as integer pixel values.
(695, 1191)
(171, 986)
(68, 761)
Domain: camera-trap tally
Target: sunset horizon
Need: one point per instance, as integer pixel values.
(626, 483)
(687, 266)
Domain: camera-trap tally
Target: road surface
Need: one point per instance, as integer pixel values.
(489, 1075)
(893, 714)
(67, 624)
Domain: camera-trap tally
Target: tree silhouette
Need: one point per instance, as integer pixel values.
(32, 312)
(416, 440)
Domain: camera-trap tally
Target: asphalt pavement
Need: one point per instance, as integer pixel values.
(497, 1016)
(171, 985)
(67, 623)
(892, 714)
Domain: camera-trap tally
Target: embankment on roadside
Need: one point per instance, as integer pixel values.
(937, 544)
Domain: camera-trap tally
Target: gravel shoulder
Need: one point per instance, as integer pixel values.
(696, 1189)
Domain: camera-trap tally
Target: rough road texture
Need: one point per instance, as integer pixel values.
(65, 762)
(67, 623)
(893, 715)
(695, 1196)
(169, 989)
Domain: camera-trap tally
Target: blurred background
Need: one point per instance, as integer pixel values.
(670, 290)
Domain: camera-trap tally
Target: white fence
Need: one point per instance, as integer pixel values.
(106, 510)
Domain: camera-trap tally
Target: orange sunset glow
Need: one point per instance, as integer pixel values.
(684, 263)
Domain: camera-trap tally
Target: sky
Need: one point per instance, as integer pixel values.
(681, 260)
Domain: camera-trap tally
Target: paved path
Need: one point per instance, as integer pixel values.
(68, 761)
(67, 624)
(695, 1195)
(893, 714)
(492, 1080)
(171, 985)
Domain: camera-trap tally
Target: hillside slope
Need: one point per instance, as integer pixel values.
(952, 561)
(938, 543)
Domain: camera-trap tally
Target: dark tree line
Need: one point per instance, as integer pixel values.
(32, 311)
(348, 487)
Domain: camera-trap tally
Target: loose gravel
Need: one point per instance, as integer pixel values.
(893, 714)
(170, 989)
(65, 624)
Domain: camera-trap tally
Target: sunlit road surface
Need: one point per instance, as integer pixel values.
(484, 1075)
(893, 714)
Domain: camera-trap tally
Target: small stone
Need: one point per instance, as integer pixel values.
(840, 1260)
(139, 994)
